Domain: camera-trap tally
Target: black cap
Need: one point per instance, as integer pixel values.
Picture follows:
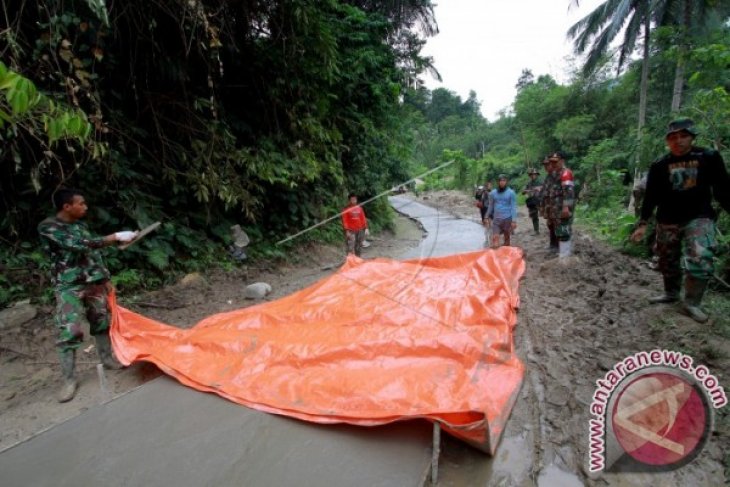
(681, 124)
(502, 176)
(558, 154)
(532, 171)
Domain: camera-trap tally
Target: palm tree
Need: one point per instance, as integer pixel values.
(686, 16)
(595, 32)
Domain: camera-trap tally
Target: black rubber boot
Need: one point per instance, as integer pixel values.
(671, 291)
(106, 355)
(68, 364)
(694, 290)
(554, 246)
(536, 226)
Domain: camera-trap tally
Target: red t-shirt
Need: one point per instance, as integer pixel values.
(353, 218)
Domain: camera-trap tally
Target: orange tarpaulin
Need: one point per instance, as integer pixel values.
(379, 341)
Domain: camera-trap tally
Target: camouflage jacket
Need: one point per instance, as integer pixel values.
(73, 252)
(533, 190)
(558, 191)
(546, 190)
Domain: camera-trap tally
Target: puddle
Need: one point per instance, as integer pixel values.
(552, 476)
(513, 462)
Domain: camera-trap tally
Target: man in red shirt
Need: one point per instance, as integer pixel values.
(355, 224)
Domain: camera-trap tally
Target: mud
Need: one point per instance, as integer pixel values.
(575, 322)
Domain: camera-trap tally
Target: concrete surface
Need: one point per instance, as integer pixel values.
(446, 234)
(165, 434)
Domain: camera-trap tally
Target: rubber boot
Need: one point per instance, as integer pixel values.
(671, 291)
(694, 290)
(106, 355)
(565, 249)
(68, 364)
(554, 247)
(536, 226)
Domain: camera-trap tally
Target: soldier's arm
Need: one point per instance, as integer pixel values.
(67, 241)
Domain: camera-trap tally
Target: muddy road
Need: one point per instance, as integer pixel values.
(577, 319)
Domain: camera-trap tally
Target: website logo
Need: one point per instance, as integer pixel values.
(653, 411)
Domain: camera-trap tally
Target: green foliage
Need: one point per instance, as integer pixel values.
(604, 223)
(203, 114)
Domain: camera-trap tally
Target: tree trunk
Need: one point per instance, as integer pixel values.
(643, 90)
(679, 79)
(682, 58)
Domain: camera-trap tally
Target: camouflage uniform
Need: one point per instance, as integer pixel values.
(681, 187)
(533, 202)
(560, 193)
(80, 279)
(700, 247)
(552, 181)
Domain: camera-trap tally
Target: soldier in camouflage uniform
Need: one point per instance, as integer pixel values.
(681, 186)
(532, 190)
(545, 206)
(559, 203)
(81, 283)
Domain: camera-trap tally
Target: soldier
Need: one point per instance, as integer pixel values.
(81, 283)
(681, 186)
(560, 203)
(532, 190)
(484, 200)
(545, 208)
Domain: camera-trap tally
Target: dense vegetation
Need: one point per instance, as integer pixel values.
(201, 114)
(206, 113)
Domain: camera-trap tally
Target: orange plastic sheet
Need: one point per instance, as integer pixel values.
(378, 341)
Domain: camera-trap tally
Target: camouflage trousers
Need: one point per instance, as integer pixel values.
(354, 240)
(697, 256)
(534, 212)
(74, 301)
(563, 228)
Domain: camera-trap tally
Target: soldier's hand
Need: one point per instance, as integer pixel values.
(565, 213)
(514, 225)
(638, 234)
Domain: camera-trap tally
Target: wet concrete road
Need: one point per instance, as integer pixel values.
(165, 434)
(446, 234)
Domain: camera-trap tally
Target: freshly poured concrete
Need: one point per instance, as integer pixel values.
(165, 434)
(446, 234)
